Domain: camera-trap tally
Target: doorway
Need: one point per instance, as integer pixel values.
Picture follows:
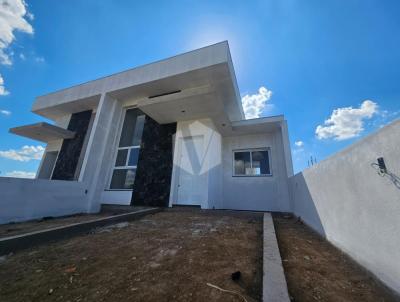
(192, 186)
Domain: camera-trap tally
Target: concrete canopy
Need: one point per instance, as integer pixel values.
(203, 82)
(44, 132)
(257, 125)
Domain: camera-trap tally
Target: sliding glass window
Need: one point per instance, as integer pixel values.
(251, 162)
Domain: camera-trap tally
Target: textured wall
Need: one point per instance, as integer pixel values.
(358, 210)
(153, 174)
(68, 157)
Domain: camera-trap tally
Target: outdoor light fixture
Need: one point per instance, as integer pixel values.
(381, 165)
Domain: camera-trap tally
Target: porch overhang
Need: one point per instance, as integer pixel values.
(205, 93)
(43, 131)
(204, 77)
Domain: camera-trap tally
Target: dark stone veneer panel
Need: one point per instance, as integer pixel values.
(68, 157)
(154, 168)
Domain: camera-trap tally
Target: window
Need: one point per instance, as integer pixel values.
(124, 171)
(251, 162)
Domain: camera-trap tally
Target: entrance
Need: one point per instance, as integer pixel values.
(192, 180)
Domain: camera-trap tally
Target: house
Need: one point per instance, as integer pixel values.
(173, 132)
(168, 133)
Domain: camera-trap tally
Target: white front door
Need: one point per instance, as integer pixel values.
(192, 180)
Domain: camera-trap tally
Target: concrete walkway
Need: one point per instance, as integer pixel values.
(274, 282)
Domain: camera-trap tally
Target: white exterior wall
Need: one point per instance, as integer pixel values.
(26, 199)
(286, 149)
(122, 197)
(345, 200)
(259, 193)
(222, 190)
(210, 160)
(215, 189)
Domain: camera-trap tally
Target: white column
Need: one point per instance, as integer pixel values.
(100, 148)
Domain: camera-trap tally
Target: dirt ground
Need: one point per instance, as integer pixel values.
(12, 229)
(317, 271)
(168, 256)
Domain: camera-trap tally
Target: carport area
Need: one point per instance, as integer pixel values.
(167, 256)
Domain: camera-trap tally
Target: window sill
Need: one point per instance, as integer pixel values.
(263, 175)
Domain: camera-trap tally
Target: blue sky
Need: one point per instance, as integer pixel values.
(313, 60)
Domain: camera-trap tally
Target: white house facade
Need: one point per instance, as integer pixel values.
(168, 133)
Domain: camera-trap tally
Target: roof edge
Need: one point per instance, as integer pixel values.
(133, 68)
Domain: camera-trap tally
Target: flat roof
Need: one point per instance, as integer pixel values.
(209, 65)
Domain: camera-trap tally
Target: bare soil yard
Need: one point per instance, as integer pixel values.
(317, 271)
(18, 228)
(12, 229)
(168, 256)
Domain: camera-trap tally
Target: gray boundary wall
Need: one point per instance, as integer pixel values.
(348, 202)
(25, 199)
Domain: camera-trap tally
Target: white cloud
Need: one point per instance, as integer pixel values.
(39, 59)
(299, 143)
(22, 57)
(12, 18)
(347, 122)
(385, 117)
(5, 112)
(26, 153)
(20, 174)
(30, 16)
(3, 90)
(254, 104)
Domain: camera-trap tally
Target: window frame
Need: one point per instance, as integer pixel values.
(117, 148)
(251, 150)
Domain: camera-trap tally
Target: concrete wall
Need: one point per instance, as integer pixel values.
(345, 200)
(259, 193)
(26, 199)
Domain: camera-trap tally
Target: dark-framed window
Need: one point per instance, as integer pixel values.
(252, 162)
(124, 170)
